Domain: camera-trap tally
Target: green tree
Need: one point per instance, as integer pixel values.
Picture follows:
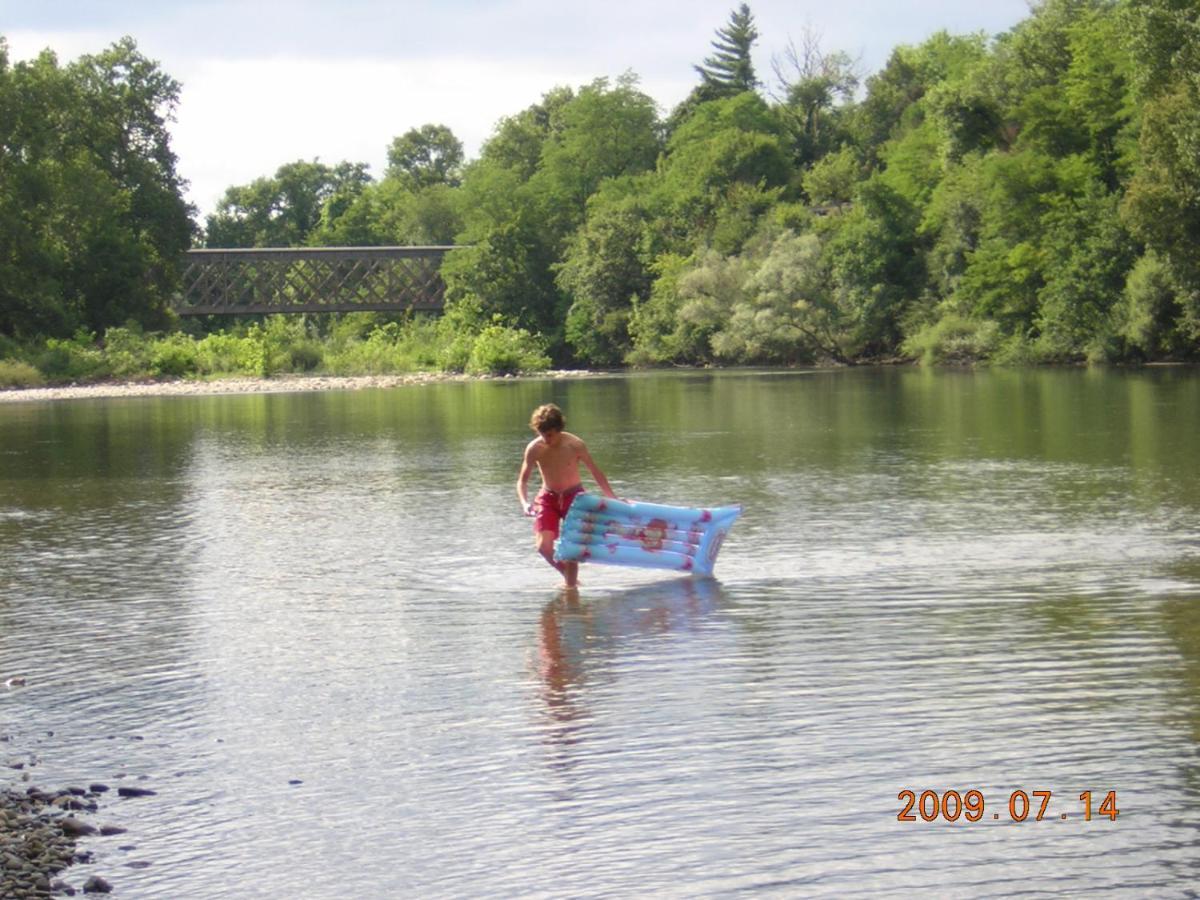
(890, 95)
(286, 209)
(832, 179)
(816, 91)
(706, 294)
(430, 216)
(1149, 310)
(520, 212)
(726, 147)
(503, 270)
(893, 104)
(92, 218)
(967, 118)
(1099, 95)
(658, 333)
(1087, 254)
(605, 273)
(391, 213)
(604, 131)
(729, 70)
(876, 267)
(517, 143)
(425, 156)
(1162, 203)
(951, 228)
(1005, 270)
(787, 311)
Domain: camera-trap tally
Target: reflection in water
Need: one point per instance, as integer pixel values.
(577, 639)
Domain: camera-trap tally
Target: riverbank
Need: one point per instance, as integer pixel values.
(281, 384)
(41, 829)
(38, 830)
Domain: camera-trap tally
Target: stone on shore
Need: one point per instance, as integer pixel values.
(37, 842)
(135, 792)
(97, 885)
(72, 827)
(279, 384)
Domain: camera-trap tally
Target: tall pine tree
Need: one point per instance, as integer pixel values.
(729, 70)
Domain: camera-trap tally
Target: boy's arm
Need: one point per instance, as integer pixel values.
(523, 480)
(601, 482)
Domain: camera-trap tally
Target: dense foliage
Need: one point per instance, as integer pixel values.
(92, 219)
(1029, 197)
(355, 344)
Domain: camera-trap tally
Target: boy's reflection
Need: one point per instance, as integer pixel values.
(576, 638)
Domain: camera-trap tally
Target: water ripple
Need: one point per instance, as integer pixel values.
(316, 627)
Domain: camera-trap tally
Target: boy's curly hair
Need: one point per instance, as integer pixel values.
(547, 417)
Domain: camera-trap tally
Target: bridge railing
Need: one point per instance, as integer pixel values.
(311, 279)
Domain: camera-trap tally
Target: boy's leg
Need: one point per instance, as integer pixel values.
(569, 570)
(545, 526)
(547, 522)
(545, 545)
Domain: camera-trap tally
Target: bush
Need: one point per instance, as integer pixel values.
(127, 352)
(227, 354)
(953, 340)
(17, 374)
(377, 355)
(281, 344)
(9, 348)
(306, 357)
(72, 359)
(1150, 310)
(500, 349)
(352, 327)
(287, 345)
(389, 348)
(420, 340)
(174, 356)
(455, 353)
(1018, 350)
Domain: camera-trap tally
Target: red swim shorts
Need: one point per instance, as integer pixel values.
(550, 507)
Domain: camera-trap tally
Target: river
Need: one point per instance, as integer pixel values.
(315, 625)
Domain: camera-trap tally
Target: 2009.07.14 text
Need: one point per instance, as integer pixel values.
(1022, 806)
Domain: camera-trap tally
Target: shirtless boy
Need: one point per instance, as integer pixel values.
(557, 455)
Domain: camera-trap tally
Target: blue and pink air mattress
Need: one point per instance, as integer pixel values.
(626, 533)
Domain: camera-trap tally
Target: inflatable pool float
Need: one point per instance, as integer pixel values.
(626, 533)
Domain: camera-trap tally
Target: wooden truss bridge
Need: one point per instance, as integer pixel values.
(311, 279)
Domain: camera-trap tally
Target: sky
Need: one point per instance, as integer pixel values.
(266, 82)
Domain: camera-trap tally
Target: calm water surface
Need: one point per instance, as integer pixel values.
(941, 581)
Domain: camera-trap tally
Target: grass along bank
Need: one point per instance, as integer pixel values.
(358, 344)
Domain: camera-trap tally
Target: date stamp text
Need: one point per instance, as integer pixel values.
(1018, 806)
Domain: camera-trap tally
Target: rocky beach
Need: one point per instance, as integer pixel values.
(282, 384)
(41, 829)
(38, 833)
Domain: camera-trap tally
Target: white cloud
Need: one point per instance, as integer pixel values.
(240, 120)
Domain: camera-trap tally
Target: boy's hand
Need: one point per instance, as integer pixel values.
(529, 510)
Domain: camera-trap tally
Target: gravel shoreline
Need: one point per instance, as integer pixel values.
(282, 384)
(37, 840)
(40, 829)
